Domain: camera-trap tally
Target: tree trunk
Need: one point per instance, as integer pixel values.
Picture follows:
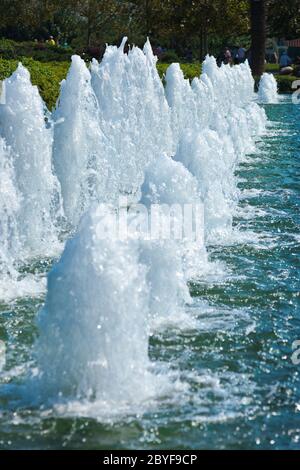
(258, 36)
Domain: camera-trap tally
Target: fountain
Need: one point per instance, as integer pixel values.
(267, 90)
(23, 126)
(80, 149)
(134, 113)
(117, 131)
(93, 333)
(9, 208)
(173, 189)
(213, 134)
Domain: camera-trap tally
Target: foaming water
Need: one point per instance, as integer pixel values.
(133, 110)
(268, 89)
(120, 323)
(226, 129)
(169, 184)
(15, 286)
(23, 126)
(9, 207)
(92, 351)
(96, 300)
(80, 149)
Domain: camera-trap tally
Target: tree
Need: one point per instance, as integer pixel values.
(258, 36)
(96, 17)
(15, 20)
(284, 19)
(183, 25)
(197, 22)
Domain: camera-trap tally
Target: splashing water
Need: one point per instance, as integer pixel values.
(134, 112)
(79, 149)
(116, 130)
(22, 124)
(9, 207)
(268, 92)
(92, 349)
(171, 186)
(93, 339)
(211, 143)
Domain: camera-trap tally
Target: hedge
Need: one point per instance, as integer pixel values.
(190, 71)
(285, 83)
(48, 75)
(41, 52)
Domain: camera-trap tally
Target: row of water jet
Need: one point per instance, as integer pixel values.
(115, 130)
(105, 297)
(215, 123)
(111, 123)
(134, 120)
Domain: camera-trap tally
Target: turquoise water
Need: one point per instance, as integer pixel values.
(240, 389)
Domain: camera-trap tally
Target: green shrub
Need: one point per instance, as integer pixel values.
(272, 68)
(169, 57)
(285, 83)
(162, 68)
(190, 71)
(7, 49)
(42, 52)
(47, 76)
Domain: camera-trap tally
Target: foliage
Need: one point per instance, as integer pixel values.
(285, 83)
(98, 18)
(272, 68)
(169, 57)
(190, 71)
(284, 18)
(175, 24)
(47, 76)
(200, 25)
(39, 51)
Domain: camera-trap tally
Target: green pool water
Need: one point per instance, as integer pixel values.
(242, 389)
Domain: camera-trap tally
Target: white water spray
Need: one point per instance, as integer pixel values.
(80, 149)
(9, 207)
(115, 131)
(93, 341)
(214, 124)
(134, 112)
(268, 90)
(22, 124)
